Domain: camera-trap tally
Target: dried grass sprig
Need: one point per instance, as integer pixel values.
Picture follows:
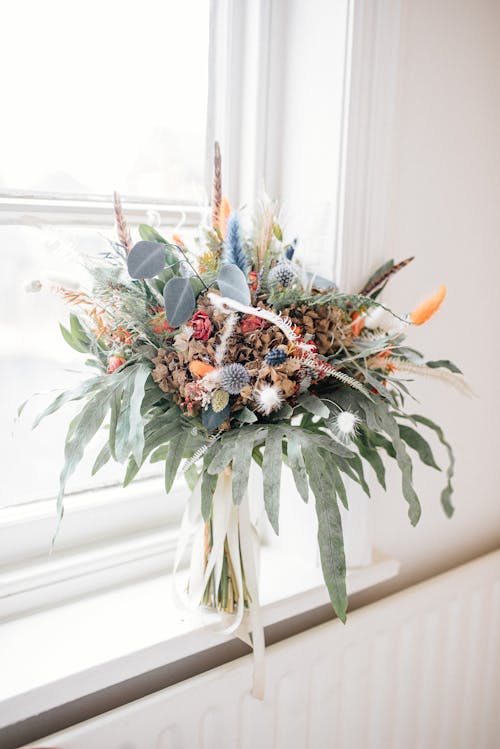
(121, 224)
(455, 379)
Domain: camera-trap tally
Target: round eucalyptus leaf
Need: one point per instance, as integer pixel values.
(212, 419)
(179, 301)
(146, 259)
(233, 284)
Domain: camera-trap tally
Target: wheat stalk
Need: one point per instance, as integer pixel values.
(121, 224)
(217, 186)
(455, 379)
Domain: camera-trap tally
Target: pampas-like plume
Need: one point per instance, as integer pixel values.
(217, 186)
(220, 351)
(458, 381)
(233, 248)
(424, 311)
(121, 224)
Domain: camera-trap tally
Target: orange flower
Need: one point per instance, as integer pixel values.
(200, 368)
(177, 240)
(114, 362)
(225, 210)
(425, 310)
(358, 323)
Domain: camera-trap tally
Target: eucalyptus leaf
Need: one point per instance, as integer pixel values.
(233, 284)
(245, 416)
(146, 259)
(179, 301)
(212, 419)
(103, 457)
(150, 234)
(73, 341)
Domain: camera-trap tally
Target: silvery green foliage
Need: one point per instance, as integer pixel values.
(233, 284)
(146, 259)
(180, 301)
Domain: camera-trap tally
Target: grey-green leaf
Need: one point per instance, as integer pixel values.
(448, 490)
(174, 458)
(314, 405)
(241, 464)
(233, 284)
(297, 465)
(179, 301)
(146, 259)
(415, 440)
(330, 535)
(271, 472)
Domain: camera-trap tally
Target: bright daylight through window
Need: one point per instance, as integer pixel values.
(124, 112)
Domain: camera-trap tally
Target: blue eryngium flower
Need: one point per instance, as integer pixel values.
(233, 248)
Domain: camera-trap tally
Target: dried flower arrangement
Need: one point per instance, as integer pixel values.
(238, 353)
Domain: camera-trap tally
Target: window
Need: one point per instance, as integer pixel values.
(121, 99)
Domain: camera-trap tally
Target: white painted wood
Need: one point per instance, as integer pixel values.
(51, 657)
(417, 670)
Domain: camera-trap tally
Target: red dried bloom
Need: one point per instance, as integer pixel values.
(250, 323)
(114, 362)
(202, 326)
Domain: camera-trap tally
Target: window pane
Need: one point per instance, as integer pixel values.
(34, 358)
(102, 96)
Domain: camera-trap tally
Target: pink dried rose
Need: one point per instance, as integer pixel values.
(202, 327)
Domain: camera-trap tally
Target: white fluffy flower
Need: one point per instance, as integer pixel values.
(378, 318)
(268, 398)
(345, 424)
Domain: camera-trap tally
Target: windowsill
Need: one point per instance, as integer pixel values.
(91, 644)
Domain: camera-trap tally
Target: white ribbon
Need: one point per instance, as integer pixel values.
(231, 522)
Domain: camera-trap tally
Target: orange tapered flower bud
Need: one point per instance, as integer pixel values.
(224, 211)
(424, 311)
(200, 368)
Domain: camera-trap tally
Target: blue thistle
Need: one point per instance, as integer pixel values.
(275, 357)
(233, 248)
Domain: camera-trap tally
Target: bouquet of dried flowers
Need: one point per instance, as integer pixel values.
(237, 353)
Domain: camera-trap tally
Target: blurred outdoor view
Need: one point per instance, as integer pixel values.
(107, 107)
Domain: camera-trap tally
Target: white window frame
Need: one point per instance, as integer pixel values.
(143, 545)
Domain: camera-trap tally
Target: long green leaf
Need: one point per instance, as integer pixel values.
(241, 464)
(297, 465)
(391, 427)
(415, 440)
(103, 457)
(330, 536)
(448, 490)
(75, 394)
(174, 458)
(208, 485)
(372, 457)
(271, 472)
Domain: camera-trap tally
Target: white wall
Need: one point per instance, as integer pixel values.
(444, 207)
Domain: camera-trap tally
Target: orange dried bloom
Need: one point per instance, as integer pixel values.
(358, 323)
(200, 368)
(424, 311)
(225, 210)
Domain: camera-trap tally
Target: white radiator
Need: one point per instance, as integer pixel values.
(420, 669)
